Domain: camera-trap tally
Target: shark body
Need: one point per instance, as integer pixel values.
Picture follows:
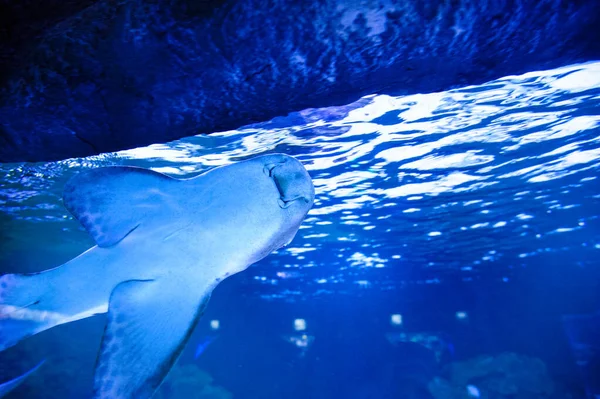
(163, 246)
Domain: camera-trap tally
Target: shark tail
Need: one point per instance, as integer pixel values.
(23, 311)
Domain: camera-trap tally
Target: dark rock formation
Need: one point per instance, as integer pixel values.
(81, 77)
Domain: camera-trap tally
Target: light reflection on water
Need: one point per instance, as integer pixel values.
(465, 181)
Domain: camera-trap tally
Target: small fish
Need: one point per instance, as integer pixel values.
(202, 345)
(8, 386)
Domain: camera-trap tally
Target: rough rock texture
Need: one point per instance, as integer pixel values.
(189, 382)
(506, 376)
(81, 77)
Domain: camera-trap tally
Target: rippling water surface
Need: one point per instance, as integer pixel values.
(412, 189)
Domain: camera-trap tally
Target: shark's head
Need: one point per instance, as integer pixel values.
(288, 196)
(295, 191)
(258, 205)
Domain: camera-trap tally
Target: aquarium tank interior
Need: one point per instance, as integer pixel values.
(232, 199)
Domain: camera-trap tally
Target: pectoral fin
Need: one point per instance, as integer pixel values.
(148, 325)
(113, 201)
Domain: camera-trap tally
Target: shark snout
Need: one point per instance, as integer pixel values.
(291, 179)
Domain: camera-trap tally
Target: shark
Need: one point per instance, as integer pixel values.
(163, 245)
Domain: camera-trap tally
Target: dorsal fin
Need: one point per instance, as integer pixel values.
(113, 201)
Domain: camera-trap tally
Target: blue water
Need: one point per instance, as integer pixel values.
(453, 237)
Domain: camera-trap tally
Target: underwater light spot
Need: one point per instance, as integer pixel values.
(524, 216)
(411, 210)
(434, 234)
(473, 391)
(461, 315)
(478, 225)
(215, 324)
(396, 319)
(565, 230)
(299, 324)
(319, 235)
